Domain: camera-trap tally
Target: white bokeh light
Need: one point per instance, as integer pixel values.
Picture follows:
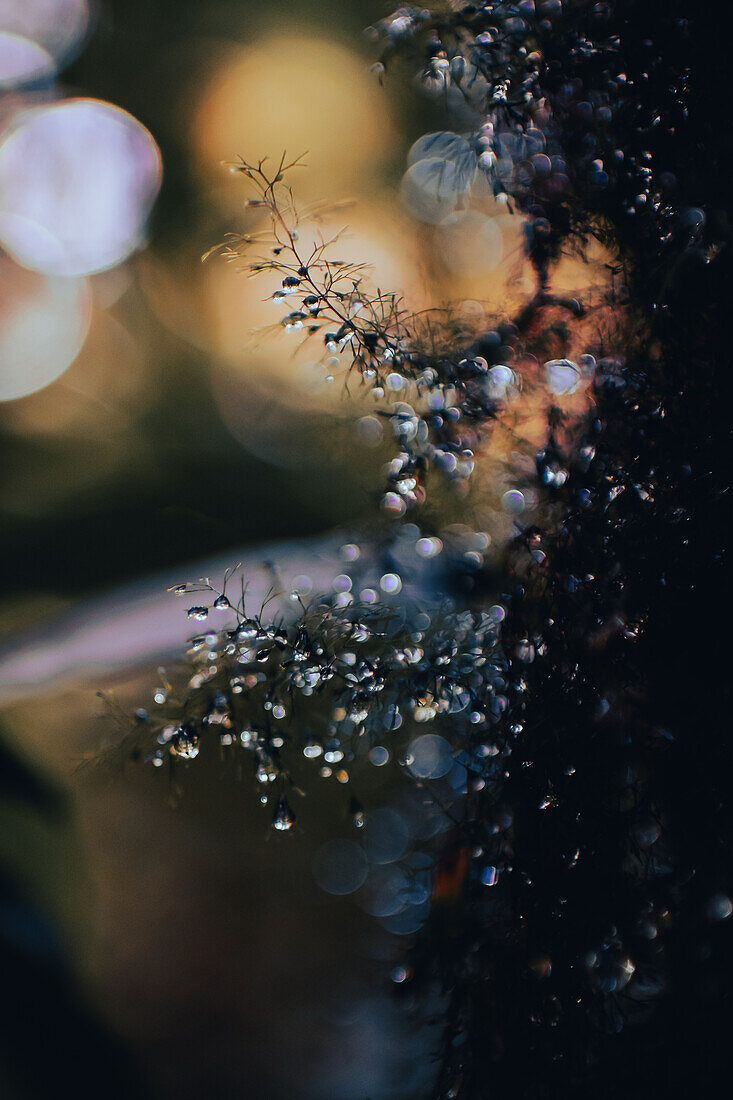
(22, 61)
(563, 377)
(43, 325)
(77, 182)
(57, 27)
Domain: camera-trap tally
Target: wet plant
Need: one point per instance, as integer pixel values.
(565, 878)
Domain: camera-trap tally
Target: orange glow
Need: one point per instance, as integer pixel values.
(298, 94)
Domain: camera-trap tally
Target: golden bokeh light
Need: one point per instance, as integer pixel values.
(301, 94)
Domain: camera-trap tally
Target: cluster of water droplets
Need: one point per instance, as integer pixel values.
(380, 655)
(539, 93)
(385, 670)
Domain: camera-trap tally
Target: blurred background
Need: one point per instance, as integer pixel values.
(140, 427)
(122, 354)
(142, 430)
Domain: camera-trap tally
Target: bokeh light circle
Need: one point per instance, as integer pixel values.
(431, 189)
(430, 756)
(563, 376)
(340, 867)
(43, 324)
(58, 27)
(406, 922)
(296, 92)
(513, 502)
(387, 888)
(77, 182)
(22, 61)
(386, 835)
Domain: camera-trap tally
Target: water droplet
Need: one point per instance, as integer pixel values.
(401, 974)
(562, 376)
(283, 818)
(333, 753)
(428, 547)
(500, 382)
(356, 810)
(379, 756)
(394, 504)
(646, 832)
(312, 749)
(185, 743)
(610, 967)
(513, 502)
(720, 907)
(391, 583)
